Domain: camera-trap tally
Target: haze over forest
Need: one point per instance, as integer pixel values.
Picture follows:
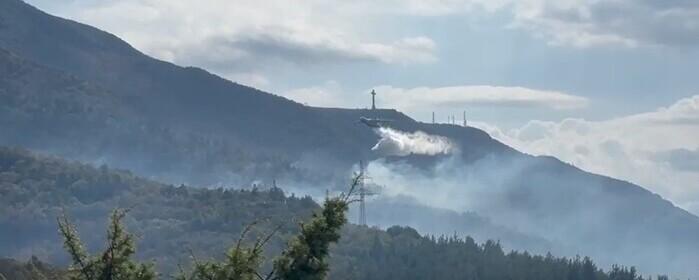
(570, 148)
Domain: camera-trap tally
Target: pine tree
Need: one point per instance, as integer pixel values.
(115, 263)
(242, 263)
(589, 269)
(305, 257)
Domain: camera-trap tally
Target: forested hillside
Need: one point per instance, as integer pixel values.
(171, 221)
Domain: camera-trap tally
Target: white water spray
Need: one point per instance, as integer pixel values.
(400, 143)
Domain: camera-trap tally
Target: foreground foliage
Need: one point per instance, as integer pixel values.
(114, 263)
(305, 257)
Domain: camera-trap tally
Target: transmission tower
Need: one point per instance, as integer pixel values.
(363, 192)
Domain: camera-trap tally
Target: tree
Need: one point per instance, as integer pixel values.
(589, 269)
(115, 263)
(305, 257)
(242, 263)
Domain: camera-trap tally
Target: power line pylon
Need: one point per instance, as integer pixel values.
(363, 192)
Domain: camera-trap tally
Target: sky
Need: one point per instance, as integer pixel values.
(609, 86)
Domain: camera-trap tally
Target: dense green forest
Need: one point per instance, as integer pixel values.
(172, 219)
(173, 222)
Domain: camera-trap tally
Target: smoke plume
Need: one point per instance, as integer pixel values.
(400, 143)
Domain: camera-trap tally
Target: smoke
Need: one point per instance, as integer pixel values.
(449, 184)
(400, 143)
(530, 203)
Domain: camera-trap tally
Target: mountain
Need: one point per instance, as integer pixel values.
(187, 106)
(78, 92)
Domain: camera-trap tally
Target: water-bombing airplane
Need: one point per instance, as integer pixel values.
(374, 123)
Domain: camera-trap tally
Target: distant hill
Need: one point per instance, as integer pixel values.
(169, 220)
(173, 222)
(75, 91)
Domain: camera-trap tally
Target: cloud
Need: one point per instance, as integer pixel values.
(278, 44)
(622, 22)
(234, 38)
(237, 38)
(680, 159)
(328, 94)
(657, 149)
(417, 101)
(482, 95)
(585, 23)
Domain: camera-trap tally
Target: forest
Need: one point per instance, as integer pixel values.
(173, 223)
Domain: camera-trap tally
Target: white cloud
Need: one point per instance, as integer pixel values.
(621, 22)
(657, 149)
(328, 94)
(246, 36)
(456, 97)
(585, 23)
(235, 38)
(417, 101)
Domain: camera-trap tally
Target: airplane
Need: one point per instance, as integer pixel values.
(374, 123)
